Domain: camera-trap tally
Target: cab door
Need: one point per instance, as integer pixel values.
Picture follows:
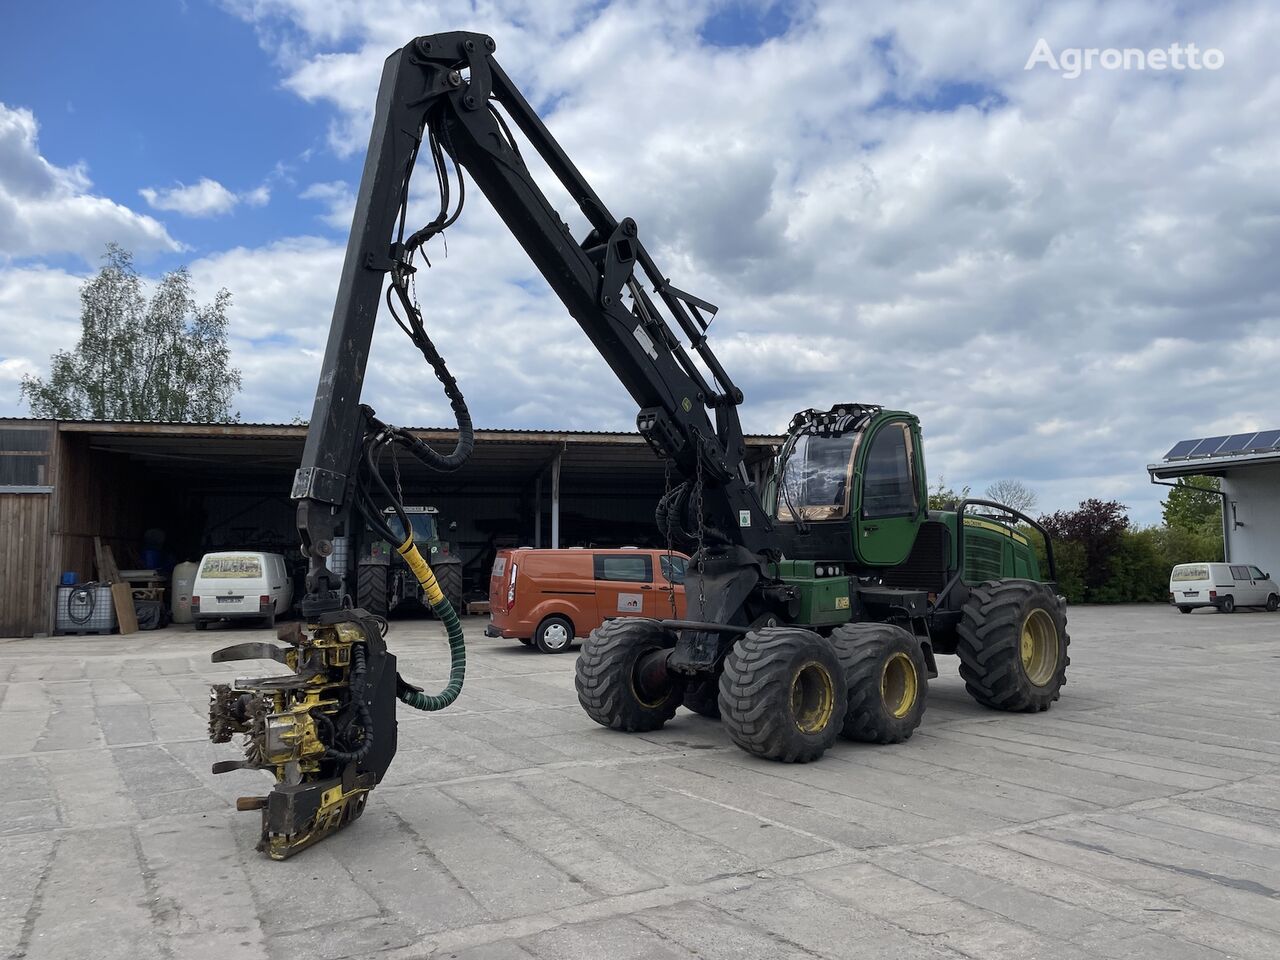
(624, 584)
(889, 494)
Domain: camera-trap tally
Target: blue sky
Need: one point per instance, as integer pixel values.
(884, 202)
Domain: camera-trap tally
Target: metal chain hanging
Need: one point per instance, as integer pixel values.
(671, 566)
(697, 493)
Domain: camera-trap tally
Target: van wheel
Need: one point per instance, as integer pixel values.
(553, 635)
(269, 620)
(1273, 603)
(1227, 604)
(886, 676)
(783, 694)
(702, 696)
(1184, 609)
(1012, 644)
(610, 686)
(202, 624)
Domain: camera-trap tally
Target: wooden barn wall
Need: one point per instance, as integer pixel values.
(25, 591)
(101, 494)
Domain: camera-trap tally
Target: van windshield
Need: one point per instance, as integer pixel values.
(238, 567)
(1191, 571)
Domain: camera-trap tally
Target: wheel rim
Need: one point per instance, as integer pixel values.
(813, 697)
(555, 636)
(898, 685)
(1039, 647)
(643, 696)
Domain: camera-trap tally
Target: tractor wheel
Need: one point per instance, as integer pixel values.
(1227, 604)
(554, 635)
(609, 684)
(1273, 603)
(783, 694)
(1013, 645)
(1184, 609)
(449, 576)
(702, 696)
(371, 589)
(887, 680)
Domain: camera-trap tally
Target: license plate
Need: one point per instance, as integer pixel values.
(1191, 593)
(230, 599)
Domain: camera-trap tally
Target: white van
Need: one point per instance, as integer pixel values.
(241, 585)
(1222, 585)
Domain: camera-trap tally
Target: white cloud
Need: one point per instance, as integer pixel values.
(338, 199)
(885, 205)
(204, 198)
(48, 210)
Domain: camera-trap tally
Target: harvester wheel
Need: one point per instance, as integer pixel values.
(449, 576)
(371, 589)
(887, 680)
(611, 687)
(702, 696)
(783, 694)
(1013, 645)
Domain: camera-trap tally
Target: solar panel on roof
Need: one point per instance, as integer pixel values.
(1182, 449)
(1208, 446)
(1266, 440)
(1238, 443)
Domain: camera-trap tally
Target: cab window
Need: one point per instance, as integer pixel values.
(673, 569)
(1240, 573)
(631, 569)
(888, 486)
(1257, 574)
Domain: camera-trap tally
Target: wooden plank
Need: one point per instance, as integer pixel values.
(126, 616)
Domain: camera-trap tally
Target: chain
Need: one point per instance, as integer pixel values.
(395, 471)
(697, 493)
(671, 565)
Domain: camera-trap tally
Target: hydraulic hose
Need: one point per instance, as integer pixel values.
(452, 625)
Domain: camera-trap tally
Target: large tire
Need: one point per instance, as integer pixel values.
(371, 588)
(783, 695)
(887, 680)
(554, 635)
(702, 696)
(605, 675)
(1012, 644)
(449, 576)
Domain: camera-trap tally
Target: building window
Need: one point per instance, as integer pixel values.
(24, 456)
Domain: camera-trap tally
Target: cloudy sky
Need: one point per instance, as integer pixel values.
(1060, 274)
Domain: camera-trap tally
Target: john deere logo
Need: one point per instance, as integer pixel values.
(686, 404)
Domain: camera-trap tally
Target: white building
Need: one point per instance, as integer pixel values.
(1248, 465)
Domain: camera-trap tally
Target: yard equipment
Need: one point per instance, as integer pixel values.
(384, 581)
(815, 608)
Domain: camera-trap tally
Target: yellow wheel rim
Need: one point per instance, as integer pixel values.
(813, 697)
(899, 685)
(1039, 647)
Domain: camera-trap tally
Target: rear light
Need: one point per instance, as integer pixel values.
(195, 602)
(264, 600)
(511, 588)
(1213, 594)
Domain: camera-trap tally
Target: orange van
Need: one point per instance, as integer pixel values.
(548, 597)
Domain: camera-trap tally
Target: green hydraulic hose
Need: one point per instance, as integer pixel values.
(452, 625)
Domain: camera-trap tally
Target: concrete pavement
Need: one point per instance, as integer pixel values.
(1138, 818)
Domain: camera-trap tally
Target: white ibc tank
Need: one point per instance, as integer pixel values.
(184, 578)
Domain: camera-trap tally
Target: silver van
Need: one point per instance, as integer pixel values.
(1222, 585)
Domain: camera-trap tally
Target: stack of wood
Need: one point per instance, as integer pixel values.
(121, 590)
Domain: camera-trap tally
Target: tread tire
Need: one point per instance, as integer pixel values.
(371, 588)
(702, 696)
(755, 693)
(1273, 603)
(989, 637)
(1227, 604)
(864, 650)
(603, 675)
(449, 576)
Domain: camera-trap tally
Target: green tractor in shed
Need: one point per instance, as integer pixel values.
(384, 582)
